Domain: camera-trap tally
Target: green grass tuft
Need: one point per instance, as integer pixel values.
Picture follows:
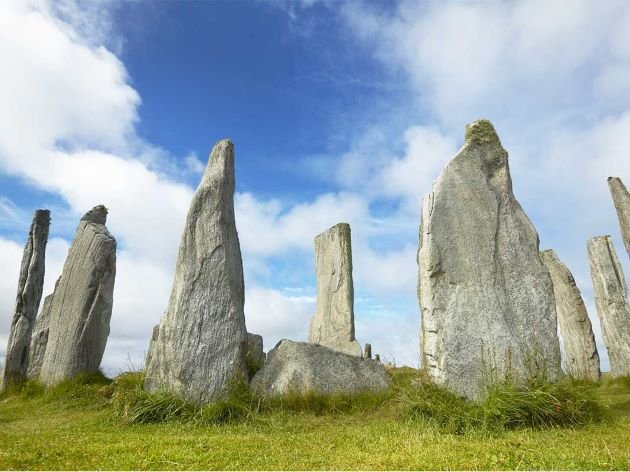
(506, 406)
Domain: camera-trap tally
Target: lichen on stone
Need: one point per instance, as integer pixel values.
(481, 132)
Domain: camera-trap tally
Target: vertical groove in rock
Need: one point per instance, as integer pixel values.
(29, 295)
(581, 356)
(486, 297)
(201, 345)
(611, 300)
(332, 324)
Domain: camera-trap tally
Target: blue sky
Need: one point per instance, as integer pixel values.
(339, 111)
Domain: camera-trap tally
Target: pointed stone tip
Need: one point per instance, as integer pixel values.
(481, 132)
(97, 215)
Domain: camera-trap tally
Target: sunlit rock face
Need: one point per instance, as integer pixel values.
(29, 295)
(487, 299)
(201, 343)
(81, 306)
(332, 324)
(611, 300)
(580, 350)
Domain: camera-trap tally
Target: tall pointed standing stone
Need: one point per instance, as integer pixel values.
(611, 300)
(580, 350)
(81, 305)
(621, 199)
(332, 324)
(487, 299)
(29, 294)
(202, 342)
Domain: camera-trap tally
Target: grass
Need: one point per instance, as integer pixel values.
(94, 423)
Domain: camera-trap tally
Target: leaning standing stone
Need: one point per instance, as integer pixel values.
(29, 294)
(611, 300)
(580, 350)
(488, 309)
(202, 344)
(81, 305)
(39, 339)
(332, 324)
(621, 199)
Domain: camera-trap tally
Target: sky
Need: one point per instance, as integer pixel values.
(339, 111)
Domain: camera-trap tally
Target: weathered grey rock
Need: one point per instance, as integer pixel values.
(39, 339)
(81, 305)
(255, 351)
(202, 343)
(611, 300)
(154, 337)
(377, 358)
(367, 352)
(303, 367)
(29, 294)
(621, 199)
(580, 350)
(332, 324)
(487, 299)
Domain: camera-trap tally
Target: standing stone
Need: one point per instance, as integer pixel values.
(39, 339)
(377, 358)
(367, 352)
(81, 305)
(332, 324)
(488, 309)
(255, 352)
(29, 294)
(621, 199)
(611, 300)
(580, 350)
(202, 343)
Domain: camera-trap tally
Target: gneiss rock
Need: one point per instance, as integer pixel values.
(304, 367)
(255, 352)
(582, 359)
(332, 324)
(202, 344)
(367, 352)
(487, 299)
(611, 299)
(621, 199)
(29, 294)
(39, 339)
(81, 305)
(154, 337)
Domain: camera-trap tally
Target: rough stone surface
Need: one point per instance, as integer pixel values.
(367, 352)
(621, 199)
(304, 367)
(29, 294)
(39, 339)
(377, 358)
(202, 343)
(581, 357)
(154, 337)
(332, 324)
(487, 299)
(611, 300)
(81, 305)
(255, 351)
